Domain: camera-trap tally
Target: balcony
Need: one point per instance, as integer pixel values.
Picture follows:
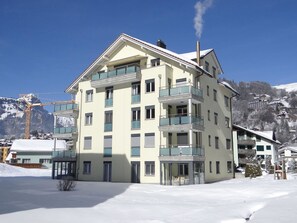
(135, 151)
(65, 155)
(67, 110)
(135, 124)
(65, 132)
(178, 123)
(177, 94)
(181, 153)
(107, 127)
(135, 99)
(246, 141)
(107, 152)
(247, 152)
(121, 75)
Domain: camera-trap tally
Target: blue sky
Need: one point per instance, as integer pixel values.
(46, 44)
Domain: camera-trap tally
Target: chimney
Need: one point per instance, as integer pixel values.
(198, 53)
(161, 44)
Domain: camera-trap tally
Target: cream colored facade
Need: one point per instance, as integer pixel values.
(149, 115)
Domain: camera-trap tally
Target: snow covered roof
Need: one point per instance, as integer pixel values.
(292, 147)
(193, 55)
(104, 57)
(37, 145)
(263, 134)
(227, 85)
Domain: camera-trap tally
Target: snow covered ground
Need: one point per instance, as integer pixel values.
(25, 198)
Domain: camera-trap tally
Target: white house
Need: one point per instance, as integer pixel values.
(34, 151)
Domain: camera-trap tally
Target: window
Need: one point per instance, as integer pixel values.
(217, 142)
(258, 138)
(181, 81)
(108, 96)
(215, 118)
(207, 90)
(214, 72)
(149, 140)
(45, 161)
(209, 140)
(217, 167)
(149, 168)
(228, 143)
(183, 169)
(206, 66)
(87, 167)
(208, 115)
(150, 112)
(210, 166)
(107, 146)
(135, 118)
(155, 62)
(135, 92)
(89, 95)
(88, 118)
(268, 147)
(88, 142)
(229, 166)
(108, 121)
(214, 95)
(226, 99)
(227, 122)
(26, 160)
(150, 85)
(135, 145)
(260, 148)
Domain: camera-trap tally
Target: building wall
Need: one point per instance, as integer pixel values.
(121, 128)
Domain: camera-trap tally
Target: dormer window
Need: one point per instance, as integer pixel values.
(155, 62)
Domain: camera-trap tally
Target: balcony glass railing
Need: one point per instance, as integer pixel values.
(65, 107)
(135, 99)
(107, 152)
(64, 154)
(135, 124)
(108, 127)
(182, 151)
(181, 120)
(108, 102)
(135, 151)
(65, 130)
(117, 72)
(179, 90)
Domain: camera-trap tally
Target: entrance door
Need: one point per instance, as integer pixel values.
(107, 168)
(135, 172)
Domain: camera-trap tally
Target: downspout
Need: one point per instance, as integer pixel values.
(232, 143)
(160, 76)
(79, 134)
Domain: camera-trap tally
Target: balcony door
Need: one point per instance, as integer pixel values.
(135, 172)
(107, 168)
(182, 139)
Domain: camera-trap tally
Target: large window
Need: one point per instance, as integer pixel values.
(88, 118)
(135, 118)
(107, 146)
(149, 168)
(135, 92)
(260, 148)
(218, 167)
(87, 167)
(183, 169)
(150, 85)
(88, 142)
(108, 121)
(216, 118)
(217, 142)
(150, 112)
(135, 145)
(149, 140)
(89, 95)
(229, 166)
(108, 96)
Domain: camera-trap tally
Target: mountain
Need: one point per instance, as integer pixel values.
(288, 87)
(13, 117)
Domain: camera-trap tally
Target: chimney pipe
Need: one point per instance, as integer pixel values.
(198, 53)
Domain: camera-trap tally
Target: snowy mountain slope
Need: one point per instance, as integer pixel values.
(288, 87)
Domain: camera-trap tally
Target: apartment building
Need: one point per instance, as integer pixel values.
(250, 143)
(149, 115)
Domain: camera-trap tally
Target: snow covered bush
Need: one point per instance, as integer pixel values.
(252, 170)
(66, 184)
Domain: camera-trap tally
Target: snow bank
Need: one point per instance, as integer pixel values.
(13, 171)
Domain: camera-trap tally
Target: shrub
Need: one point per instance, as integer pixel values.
(66, 184)
(253, 170)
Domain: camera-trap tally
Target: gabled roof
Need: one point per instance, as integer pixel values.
(122, 39)
(268, 135)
